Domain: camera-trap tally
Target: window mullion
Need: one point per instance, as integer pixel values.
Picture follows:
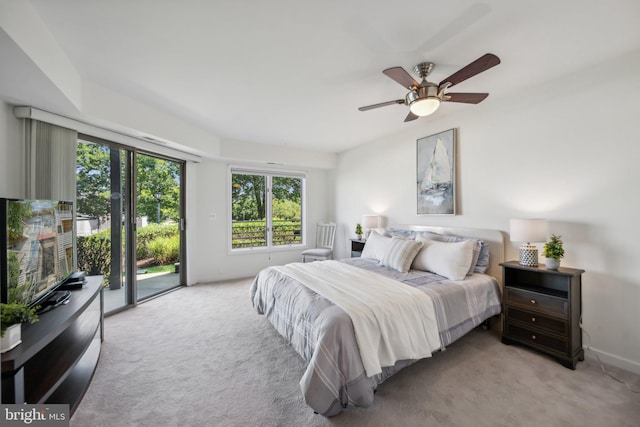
(269, 211)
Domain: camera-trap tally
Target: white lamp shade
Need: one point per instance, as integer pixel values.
(528, 230)
(425, 106)
(370, 221)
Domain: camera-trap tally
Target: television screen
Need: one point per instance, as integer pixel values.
(37, 237)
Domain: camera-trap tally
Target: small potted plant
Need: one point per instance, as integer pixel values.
(359, 231)
(11, 317)
(553, 251)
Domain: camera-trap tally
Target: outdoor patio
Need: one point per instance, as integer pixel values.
(148, 284)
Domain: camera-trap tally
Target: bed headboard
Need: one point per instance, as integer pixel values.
(494, 238)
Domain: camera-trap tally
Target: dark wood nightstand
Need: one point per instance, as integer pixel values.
(542, 308)
(356, 247)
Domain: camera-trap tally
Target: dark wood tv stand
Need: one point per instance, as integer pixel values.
(59, 353)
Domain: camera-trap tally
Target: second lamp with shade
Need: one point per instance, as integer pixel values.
(528, 231)
(369, 222)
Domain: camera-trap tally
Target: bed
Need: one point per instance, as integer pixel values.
(317, 306)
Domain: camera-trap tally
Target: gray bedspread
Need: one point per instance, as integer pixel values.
(322, 333)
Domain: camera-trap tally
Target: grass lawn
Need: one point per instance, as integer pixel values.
(160, 268)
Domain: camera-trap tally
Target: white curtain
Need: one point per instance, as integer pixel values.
(51, 161)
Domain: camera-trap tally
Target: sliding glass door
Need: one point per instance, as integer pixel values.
(102, 209)
(158, 228)
(129, 221)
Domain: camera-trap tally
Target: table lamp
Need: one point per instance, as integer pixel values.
(528, 230)
(369, 222)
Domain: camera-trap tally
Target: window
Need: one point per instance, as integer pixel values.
(266, 209)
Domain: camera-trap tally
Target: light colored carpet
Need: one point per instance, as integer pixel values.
(201, 356)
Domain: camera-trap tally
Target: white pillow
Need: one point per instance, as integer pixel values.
(376, 247)
(401, 253)
(477, 247)
(450, 260)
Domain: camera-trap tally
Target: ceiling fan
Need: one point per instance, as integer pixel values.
(424, 98)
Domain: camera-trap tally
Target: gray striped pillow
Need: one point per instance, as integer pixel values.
(400, 254)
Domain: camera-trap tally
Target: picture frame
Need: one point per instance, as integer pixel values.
(436, 174)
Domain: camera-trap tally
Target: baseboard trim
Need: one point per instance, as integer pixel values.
(613, 360)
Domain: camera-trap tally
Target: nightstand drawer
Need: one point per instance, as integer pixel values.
(535, 338)
(536, 301)
(537, 320)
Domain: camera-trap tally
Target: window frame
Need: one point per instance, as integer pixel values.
(269, 174)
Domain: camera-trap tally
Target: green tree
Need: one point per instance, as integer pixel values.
(286, 209)
(248, 197)
(285, 188)
(154, 176)
(16, 293)
(16, 212)
(13, 267)
(93, 180)
(158, 176)
(287, 195)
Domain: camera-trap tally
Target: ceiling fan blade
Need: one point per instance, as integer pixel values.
(399, 75)
(410, 117)
(476, 67)
(382, 104)
(467, 98)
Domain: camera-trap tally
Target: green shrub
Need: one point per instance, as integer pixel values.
(253, 233)
(94, 254)
(165, 250)
(161, 242)
(15, 292)
(145, 235)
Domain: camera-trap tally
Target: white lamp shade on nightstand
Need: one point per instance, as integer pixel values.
(369, 222)
(528, 230)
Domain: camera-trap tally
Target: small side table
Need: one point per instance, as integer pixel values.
(542, 310)
(356, 247)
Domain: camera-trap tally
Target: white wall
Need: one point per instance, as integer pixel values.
(567, 152)
(11, 154)
(209, 259)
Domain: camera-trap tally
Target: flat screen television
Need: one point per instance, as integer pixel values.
(36, 249)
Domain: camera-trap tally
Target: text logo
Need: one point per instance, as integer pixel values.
(35, 415)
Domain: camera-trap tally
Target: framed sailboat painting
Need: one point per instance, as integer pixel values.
(436, 173)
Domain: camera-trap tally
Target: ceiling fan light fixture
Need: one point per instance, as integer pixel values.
(424, 100)
(424, 106)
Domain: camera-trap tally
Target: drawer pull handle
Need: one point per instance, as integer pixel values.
(533, 319)
(533, 301)
(533, 337)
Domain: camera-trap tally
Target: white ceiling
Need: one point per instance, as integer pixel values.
(294, 72)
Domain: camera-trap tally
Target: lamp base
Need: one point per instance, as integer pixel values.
(529, 255)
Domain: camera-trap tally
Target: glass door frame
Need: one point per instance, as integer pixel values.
(129, 204)
(182, 276)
